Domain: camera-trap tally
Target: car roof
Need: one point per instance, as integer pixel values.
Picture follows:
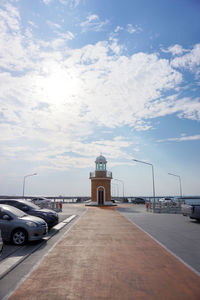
(40, 198)
(18, 200)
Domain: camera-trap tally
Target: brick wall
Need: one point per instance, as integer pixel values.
(95, 183)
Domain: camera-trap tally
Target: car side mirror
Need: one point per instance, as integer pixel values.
(6, 217)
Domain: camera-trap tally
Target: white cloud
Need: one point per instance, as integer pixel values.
(33, 24)
(93, 23)
(9, 17)
(131, 29)
(118, 28)
(71, 3)
(63, 96)
(13, 53)
(184, 108)
(47, 1)
(115, 46)
(190, 60)
(52, 24)
(89, 88)
(175, 50)
(182, 138)
(67, 35)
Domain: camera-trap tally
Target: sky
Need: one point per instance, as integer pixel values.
(84, 77)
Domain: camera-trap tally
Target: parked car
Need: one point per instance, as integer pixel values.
(18, 227)
(138, 201)
(167, 200)
(1, 243)
(50, 216)
(193, 211)
(40, 200)
(186, 209)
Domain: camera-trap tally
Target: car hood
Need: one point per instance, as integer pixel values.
(33, 219)
(45, 210)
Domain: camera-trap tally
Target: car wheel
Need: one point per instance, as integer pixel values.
(19, 237)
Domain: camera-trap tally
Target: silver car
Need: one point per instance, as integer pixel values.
(18, 227)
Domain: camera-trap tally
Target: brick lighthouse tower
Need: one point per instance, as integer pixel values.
(100, 183)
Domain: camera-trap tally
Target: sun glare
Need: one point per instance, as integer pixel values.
(59, 86)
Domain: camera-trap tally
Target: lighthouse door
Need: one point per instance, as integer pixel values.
(101, 196)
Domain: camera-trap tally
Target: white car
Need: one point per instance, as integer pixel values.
(40, 200)
(167, 201)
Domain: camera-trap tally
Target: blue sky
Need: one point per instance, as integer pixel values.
(84, 77)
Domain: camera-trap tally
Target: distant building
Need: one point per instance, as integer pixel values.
(101, 183)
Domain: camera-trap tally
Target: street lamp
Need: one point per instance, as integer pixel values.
(179, 177)
(122, 184)
(24, 180)
(146, 163)
(115, 184)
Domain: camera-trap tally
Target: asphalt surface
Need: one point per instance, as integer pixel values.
(177, 233)
(17, 262)
(106, 256)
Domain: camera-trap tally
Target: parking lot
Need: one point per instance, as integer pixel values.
(17, 261)
(10, 249)
(176, 233)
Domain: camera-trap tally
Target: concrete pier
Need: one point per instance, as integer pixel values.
(105, 256)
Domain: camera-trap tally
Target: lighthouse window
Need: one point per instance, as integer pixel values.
(101, 166)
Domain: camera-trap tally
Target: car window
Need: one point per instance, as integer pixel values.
(37, 199)
(3, 213)
(29, 205)
(19, 205)
(3, 201)
(11, 202)
(33, 206)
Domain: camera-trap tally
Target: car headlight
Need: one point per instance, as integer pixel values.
(31, 224)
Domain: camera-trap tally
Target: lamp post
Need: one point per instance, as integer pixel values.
(115, 184)
(179, 177)
(25, 179)
(153, 181)
(122, 184)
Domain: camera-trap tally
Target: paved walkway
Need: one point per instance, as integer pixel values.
(104, 256)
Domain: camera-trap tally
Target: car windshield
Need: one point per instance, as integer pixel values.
(15, 212)
(40, 199)
(32, 206)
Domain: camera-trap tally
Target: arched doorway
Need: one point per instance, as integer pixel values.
(101, 195)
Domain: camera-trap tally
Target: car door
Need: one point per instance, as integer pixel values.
(6, 226)
(22, 207)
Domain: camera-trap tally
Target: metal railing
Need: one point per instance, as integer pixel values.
(102, 174)
(160, 207)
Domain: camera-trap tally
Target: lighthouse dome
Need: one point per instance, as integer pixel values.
(100, 163)
(101, 159)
